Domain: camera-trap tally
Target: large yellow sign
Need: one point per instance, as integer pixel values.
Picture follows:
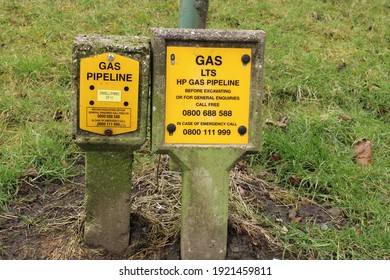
(207, 95)
(108, 94)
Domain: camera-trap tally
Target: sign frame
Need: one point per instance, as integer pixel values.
(133, 47)
(206, 38)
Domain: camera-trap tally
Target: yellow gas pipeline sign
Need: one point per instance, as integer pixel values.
(207, 95)
(108, 94)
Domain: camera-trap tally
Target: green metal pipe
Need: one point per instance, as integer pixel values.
(193, 13)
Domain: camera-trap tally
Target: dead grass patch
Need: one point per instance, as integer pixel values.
(46, 221)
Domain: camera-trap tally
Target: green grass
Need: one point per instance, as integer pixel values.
(36, 78)
(318, 149)
(324, 59)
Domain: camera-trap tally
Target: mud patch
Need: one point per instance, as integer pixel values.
(46, 221)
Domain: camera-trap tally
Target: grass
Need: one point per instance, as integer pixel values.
(326, 68)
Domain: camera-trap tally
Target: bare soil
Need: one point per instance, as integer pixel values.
(45, 221)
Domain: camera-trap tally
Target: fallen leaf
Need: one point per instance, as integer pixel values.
(270, 122)
(279, 220)
(64, 163)
(345, 118)
(358, 230)
(292, 215)
(363, 152)
(241, 191)
(241, 165)
(31, 173)
(58, 115)
(341, 66)
(282, 122)
(335, 212)
(275, 157)
(383, 109)
(295, 180)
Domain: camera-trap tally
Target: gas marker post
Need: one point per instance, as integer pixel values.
(110, 110)
(206, 114)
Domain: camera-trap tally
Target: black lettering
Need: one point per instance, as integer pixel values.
(102, 65)
(110, 77)
(181, 81)
(121, 77)
(110, 67)
(196, 82)
(199, 60)
(218, 60)
(209, 60)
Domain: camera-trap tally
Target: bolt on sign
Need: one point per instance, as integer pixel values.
(108, 94)
(207, 95)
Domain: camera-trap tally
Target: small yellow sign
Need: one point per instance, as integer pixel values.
(207, 95)
(108, 94)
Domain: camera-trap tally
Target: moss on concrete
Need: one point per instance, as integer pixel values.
(205, 188)
(205, 167)
(109, 158)
(107, 200)
(135, 47)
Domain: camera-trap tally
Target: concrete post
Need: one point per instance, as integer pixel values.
(110, 111)
(107, 199)
(206, 117)
(205, 189)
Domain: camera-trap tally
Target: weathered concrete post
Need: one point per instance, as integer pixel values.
(110, 111)
(206, 114)
(205, 190)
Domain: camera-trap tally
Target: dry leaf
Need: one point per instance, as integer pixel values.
(335, 212)
(282, 122)
(58, 115)
(270, 122)
(345, 118)
(358, 230)
(341, 66)
(31, 173)
(292, 215)
(363, 152)
(64, 163)
(295, 180)
(241, 165)
(241, 191)
(275, 157)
